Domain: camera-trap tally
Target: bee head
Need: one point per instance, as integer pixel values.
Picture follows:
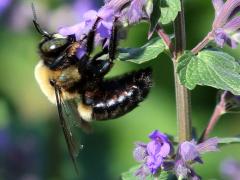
(53, 47)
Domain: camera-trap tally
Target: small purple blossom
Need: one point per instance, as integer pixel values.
(188, 153)
(230, 169)
(153, 154)
(136, 11)
(104, 24)
(226, 24)
(230, 102)
(125, 10)
(82, 6)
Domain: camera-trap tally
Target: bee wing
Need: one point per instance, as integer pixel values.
(70, 107)
(73, 147)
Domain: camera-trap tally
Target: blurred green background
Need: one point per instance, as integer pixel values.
(32, 146)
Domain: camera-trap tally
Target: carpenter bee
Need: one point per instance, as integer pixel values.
(79, 84)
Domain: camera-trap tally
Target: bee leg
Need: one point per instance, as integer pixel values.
(113, 42)
(95, 67)
(90, 37)
(98, 67)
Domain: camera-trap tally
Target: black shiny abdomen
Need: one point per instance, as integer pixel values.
(118, 96)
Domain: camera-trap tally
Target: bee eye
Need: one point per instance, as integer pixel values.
(54, 45)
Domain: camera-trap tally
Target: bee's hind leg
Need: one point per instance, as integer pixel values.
(113, 42)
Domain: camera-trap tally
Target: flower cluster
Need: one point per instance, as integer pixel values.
(153, 154)
(226, 25)
(188, 153)
(158, 155)
(102, 21)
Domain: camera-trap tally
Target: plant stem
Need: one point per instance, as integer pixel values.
(217, 113)
(165, 37)
(182, 94)
(203, 43)
(183, 106)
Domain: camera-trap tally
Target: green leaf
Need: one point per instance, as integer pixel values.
(155, 15)
(229, 140)
(210, 68)
(143, 54)
(130, 175)
(169, 10)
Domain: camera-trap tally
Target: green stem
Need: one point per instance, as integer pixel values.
(203, 43)
(165, 37)
(183, 100)
(217, 113)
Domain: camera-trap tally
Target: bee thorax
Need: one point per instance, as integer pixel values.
(65, 79)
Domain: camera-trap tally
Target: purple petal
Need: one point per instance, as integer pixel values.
(232, 25)
(80, 52)
(140, 152)
(225, 13)
(116, 5)
(165, 150)
(217, 4)
(90, 15)
(209, 145)
(78, 30)
(153, 148)
(220, 37)
(135, 12)
(90, 18)
(181, 169)
(82, 6)
(104, 29)
(188, 151)
(154, 163)
(157, 135)
(106, 13)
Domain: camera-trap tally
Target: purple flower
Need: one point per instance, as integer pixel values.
(4, 4)
(82, 6)
(230, 102)
(230, 169)
(153, 154)
(104, 24)
(226, 24)
(81, 52)
(136, 11)
(78, 29)
(188, 153)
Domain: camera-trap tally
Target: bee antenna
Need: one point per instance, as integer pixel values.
(37, 26)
